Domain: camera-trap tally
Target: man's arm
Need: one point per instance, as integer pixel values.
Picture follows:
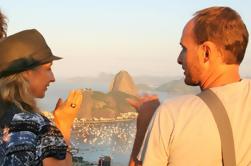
(155, 148)
(146, 107)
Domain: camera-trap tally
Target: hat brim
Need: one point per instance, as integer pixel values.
(50, 59)
(24, 64)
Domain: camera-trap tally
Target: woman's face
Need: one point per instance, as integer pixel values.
(39, 79)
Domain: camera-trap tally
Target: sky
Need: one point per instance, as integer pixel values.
(94, 36)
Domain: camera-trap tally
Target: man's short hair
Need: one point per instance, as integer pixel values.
(225, 27)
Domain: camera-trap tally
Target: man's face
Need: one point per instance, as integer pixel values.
(39, 79)
(189, 56)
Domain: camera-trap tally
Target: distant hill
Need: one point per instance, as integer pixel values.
(178, 86)
(140, 79)
(101, 78)
(123, 82)
(153, 80)
(145, 87)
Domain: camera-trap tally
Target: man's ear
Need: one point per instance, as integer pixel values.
(204, 53)
(208, 50)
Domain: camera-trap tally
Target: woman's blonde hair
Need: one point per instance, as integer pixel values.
(3, 25)
(15, 89)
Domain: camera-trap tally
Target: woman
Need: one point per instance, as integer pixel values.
(26, 136)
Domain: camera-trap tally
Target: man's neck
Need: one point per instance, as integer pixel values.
(226, 75)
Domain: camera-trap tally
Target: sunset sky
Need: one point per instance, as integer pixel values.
(93, 36)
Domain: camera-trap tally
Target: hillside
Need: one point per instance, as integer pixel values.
(104, 105)
(178, 86)
(97, 104)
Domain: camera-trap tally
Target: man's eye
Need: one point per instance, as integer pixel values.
(184, 49)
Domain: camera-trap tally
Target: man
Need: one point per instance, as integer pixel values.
(183, 130)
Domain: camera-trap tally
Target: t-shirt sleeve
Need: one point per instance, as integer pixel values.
(19, 141)
(155, 148)
(51, 141)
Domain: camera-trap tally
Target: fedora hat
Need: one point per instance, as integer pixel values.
(23, 51)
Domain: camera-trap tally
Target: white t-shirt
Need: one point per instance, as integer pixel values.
(183, 130)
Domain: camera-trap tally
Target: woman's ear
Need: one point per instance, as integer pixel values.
(27, 74)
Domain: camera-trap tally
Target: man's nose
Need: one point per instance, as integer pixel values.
(180, 59)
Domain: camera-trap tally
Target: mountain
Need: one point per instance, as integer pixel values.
(104, 105)
(123, 82)
(145, 87)
(153, 80)
(106, 78)
(101, 78)
(97, 104)
(87, 105)
(178, 86)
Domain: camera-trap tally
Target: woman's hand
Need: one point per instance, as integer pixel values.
(66, 112)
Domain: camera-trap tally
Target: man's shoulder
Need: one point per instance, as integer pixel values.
(185, 104)
(183, 100)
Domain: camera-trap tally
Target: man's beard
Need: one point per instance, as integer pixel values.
(189, 81)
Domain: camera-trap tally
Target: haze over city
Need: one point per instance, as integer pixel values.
(97, 36)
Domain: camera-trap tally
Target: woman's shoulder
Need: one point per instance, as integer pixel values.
(33, 134)
(12, 115)
(30, 121)
(31, 117)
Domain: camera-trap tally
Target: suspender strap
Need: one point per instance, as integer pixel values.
(223, 124)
